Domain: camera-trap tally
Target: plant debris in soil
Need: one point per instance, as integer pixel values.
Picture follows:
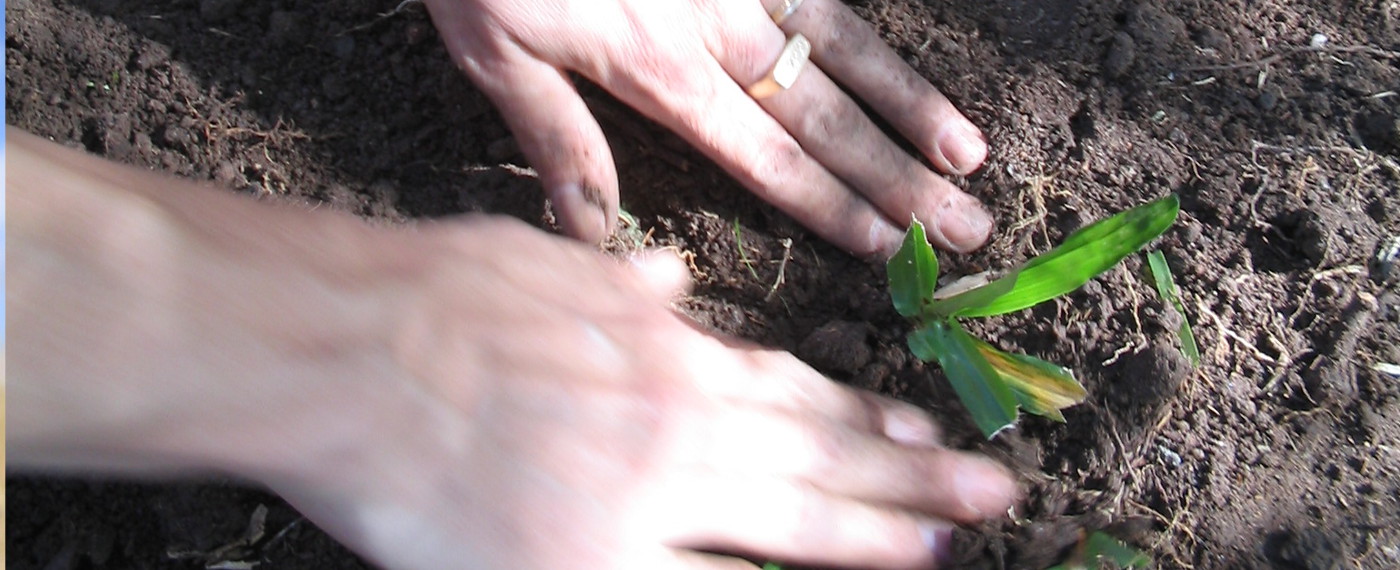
(1280, 450)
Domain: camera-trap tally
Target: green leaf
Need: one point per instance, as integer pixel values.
(1041, 387)
(1099, 546)
(913, 272)
(979, 387)
(972, 298)
(1086, 253)
(1166, 287)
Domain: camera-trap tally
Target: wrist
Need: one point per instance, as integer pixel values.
(170, 327)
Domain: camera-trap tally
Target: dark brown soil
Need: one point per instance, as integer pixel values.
(1279, 451)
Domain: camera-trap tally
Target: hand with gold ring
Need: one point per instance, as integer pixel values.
(751, 83)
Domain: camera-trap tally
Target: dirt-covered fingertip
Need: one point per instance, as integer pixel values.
(580, 211)
(557, 134)
(961, 224)
(907, 425)
(883, 241)
(985, 488)
(959, 147)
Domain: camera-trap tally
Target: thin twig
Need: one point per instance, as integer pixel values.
(782, 269)
(383, 16)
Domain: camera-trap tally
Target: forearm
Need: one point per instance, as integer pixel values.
(156, 325)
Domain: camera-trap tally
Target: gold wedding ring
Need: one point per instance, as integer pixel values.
(785, 9)
(785, 71)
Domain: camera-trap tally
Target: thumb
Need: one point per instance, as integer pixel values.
(662, 272)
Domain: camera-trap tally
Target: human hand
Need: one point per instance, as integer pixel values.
(551, 412)
(809, 150)
(435, 400)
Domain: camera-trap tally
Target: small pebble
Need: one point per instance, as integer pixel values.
(1268, 100)
(150, 55)
(177, 137)
(1120, 55)
(837, 346)
(1385, 266)
(226, 173)
(1170, 457)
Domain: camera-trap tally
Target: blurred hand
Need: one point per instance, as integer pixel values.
(464, 394)
(563, 417)
(809, 150)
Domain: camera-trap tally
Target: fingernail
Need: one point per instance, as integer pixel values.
(963, 146)
(938, 539)
(910, 428)
(964, 223)
(579, 212)
(984, 486)
(884, 237)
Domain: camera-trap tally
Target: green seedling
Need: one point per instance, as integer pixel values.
(990, 382)
(743, 257)
(1100, 546)
(1166, 287)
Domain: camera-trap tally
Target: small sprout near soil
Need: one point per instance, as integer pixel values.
(1100, 546)
(1166, 287)
(743, 257)
(990, 382)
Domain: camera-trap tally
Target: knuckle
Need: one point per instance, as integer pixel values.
(812, 516)
(773, 170)
(924, 466)
(662, 71)
(901, 544)
(849, 37)
(926, 104)
(828, 450)
(867, 413)
(748, 56)
(833, 121)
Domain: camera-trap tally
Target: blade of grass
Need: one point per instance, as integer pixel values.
(1085, 254)
(1101, 545)
(1166, 287)
(743, 257)
(913, 272)
(979, 387)
(1041, 387)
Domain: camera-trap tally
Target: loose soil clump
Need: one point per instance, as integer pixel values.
(1276, 121)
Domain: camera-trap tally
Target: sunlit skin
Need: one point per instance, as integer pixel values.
(471, 393)
(810, 150)
(436, 400)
